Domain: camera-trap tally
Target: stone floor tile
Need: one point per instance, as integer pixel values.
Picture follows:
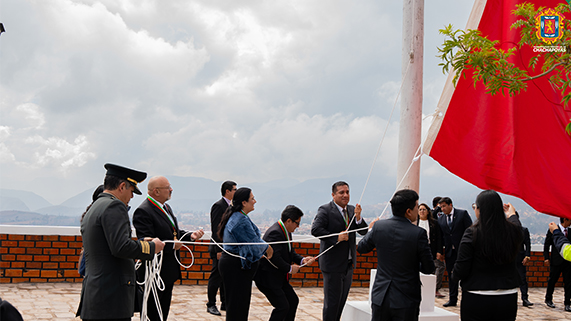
(43, 301)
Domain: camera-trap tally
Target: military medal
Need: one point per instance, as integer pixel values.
(152, 200)
(285, 233)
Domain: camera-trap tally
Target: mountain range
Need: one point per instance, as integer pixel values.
(195, 196)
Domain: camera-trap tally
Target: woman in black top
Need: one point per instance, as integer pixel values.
(486, 261)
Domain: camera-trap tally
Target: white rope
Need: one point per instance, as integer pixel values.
(152, 284)
(384, 134)
(186, 247)
(418, 154)
(416, 157)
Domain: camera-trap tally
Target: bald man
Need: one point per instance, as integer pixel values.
(155, 218)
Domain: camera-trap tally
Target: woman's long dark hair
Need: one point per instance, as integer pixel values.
(497, 239)
(94, 197)
(242, 194)
(431, 219)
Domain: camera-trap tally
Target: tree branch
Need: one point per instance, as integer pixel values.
(544, 73)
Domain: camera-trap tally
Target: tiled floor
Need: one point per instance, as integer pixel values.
(58, 301)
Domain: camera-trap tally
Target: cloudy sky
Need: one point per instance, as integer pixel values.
(248, 90)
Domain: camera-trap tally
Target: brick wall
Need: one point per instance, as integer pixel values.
(308, 276)
(39, 258)
(54, 258)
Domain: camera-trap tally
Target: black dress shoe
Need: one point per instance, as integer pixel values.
(213, 310)
(526, 303)
(549, 303)
(567, 307)
(449, 304)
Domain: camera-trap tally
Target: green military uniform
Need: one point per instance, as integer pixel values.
(108, 290)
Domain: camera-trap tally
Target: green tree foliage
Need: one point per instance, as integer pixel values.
(491, 65)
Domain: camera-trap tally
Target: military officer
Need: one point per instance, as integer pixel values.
(108, 290)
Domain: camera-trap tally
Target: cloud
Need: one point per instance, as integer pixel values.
(33, 114)
(4, 132)
(251, 89)
(61, 152)
(300, 146)
(5, 155)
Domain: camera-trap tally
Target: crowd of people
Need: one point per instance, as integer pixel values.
(486, 258)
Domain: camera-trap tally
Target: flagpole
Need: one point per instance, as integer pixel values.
(411, 101)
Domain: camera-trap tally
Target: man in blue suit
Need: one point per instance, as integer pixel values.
(402, 252)
(453, 222)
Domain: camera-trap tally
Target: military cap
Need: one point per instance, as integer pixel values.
(132, 176)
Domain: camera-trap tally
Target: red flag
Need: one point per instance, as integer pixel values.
(514, 145)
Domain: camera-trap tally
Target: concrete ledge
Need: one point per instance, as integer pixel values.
(75, 231)
(40, 230)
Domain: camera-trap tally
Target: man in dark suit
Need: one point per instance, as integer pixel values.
(436, 211)
(521, 261)
(272, 278)
(155, 218)
(557, 266)
(402, 252)
(108, 290)
(439, 259)
(453, 222)
(215, 280)
(337, 263)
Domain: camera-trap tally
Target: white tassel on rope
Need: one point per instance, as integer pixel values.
(153, 281)
(152, 284)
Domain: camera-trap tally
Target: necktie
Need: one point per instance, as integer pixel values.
(565, 232)
(346, 216)
(449, 219)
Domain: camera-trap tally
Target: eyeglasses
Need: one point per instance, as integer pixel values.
(165, 187)
(297, 223)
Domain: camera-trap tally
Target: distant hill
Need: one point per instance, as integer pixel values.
(60, 210)
(193, 196)
(32, 201)
(12, 203)
(30, 218)
(81, 200)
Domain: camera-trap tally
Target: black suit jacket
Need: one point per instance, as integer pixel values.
(477, 273)
(327, 221)
(555, 258)
(216, 212)
(435, 212)
(149, 221)
(402, 252)
(525, 249)
(269, 276)
(453, 235)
